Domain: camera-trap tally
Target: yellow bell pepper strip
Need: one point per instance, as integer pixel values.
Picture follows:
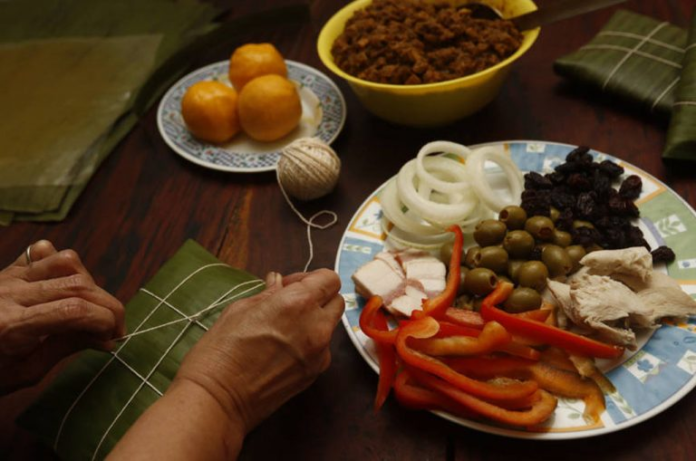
(420, 398)
(588, 369)
(367, 325)
(541, 331)
(387, 362)
(513, 348)
(491, 338)
(428, 327)
(437, 306)
(540, 410)
(555, 380)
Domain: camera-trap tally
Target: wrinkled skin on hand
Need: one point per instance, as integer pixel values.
(50, 309)
(265, 349)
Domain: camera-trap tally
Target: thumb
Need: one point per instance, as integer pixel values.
(274, 282)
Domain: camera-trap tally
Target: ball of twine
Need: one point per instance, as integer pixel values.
(308, 168)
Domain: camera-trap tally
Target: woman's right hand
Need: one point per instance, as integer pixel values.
(265, 349)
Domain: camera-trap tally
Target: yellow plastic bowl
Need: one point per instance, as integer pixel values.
(431, 104)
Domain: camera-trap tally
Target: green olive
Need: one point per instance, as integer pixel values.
(513, 217)
(576, 253)
(554, 214)
(446, 252)
(472, 257)
(480, 281)
(518, 243)
(578, 224)
(494, 258)
(462, 276)
(522, 299)
(505, 278)
(533, 274)
(541, 227)
(489, 232)
(513, 268)
(562, 238)
(557, 260)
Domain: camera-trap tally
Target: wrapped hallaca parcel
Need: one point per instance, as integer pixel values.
(99, 395)
(645, 62)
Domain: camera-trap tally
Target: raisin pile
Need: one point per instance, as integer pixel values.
(579, 196)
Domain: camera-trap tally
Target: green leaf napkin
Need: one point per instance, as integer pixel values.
(94, 401)
(681, 137)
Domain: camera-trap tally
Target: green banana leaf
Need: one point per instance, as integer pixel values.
(94, 401)
(634, 57)
(681, 136)
(176, 23)
(66, 93)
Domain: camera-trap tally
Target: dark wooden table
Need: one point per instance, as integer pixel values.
(145, 201)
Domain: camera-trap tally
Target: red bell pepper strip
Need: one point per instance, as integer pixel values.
(541, 409)
(437, 306)
(540, 315)
(367, 322)
(420, 398)
(428, 327)
(555, 380)
(541, 331)
(464, 317)
(387, 362)
(513, 348)
(491, 338)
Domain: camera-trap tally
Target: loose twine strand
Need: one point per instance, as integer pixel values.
(309, 222)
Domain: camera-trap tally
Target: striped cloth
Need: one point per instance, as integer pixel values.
(651, 64)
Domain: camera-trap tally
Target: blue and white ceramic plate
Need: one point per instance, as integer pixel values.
(647, 381)
(323, 116)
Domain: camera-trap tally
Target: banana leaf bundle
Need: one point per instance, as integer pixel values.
(649, 63)
(94, 401)
(66, 118)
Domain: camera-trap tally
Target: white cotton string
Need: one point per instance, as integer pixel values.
(194, 317)
(159, 362)
(309, 222)
(135, 372)
(664, 93)
(631, 51)
(643, 54)
(652, 41)
(169, 305)
(685, 103)
(105, 366)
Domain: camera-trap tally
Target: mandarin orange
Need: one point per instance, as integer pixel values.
(254, 60)
(269, 107)
(210, 111)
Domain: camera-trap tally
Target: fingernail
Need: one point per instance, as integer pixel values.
(271, 279)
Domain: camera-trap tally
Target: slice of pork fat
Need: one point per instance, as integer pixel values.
(378, 278)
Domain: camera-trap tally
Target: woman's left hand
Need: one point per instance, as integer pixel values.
(50, 308)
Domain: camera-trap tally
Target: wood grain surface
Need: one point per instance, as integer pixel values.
(145, 201)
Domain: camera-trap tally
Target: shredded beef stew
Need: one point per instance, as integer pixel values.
(411, 42)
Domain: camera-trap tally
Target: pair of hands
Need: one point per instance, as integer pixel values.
(261, 352)
(50, 309)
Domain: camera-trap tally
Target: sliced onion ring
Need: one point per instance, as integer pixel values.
(477, 177)
(429, 210)
(441, 146)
